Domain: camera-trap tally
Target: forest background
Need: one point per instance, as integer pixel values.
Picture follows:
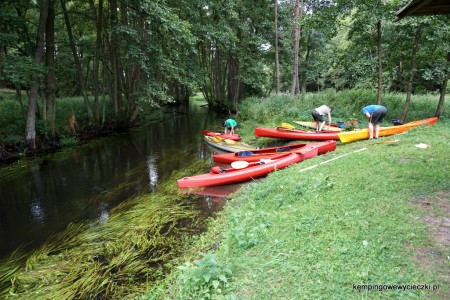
(127, 60)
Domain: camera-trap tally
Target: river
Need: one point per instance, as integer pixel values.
(42, 198)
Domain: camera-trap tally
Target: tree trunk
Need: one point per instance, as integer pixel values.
(308, 54)
(380, 67)
(398, 81)
(19, 98)
(444, 84)
(277, 63)
(50, 81)
(114, 57)
(233, 82)
(77, 61)
(297, 37)
(30, 133)
(411, 78)
(296, 48)
(98, 53)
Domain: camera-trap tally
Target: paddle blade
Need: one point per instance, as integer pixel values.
(287, 126)
(240, 164)
(228, 141)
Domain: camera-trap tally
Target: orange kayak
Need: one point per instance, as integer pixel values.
(352, 136)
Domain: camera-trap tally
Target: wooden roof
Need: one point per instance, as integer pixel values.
(424, 8)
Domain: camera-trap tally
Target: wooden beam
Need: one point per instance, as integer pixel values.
(424, 8)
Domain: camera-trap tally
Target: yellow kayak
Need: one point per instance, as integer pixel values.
(351, 136)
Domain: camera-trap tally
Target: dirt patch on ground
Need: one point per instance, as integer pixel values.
(435, 258)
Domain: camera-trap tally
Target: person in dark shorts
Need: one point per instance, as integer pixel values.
(375, 114)
(318, 114)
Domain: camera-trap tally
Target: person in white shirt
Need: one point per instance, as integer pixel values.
(318, 114)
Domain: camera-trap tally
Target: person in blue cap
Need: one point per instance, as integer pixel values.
(375, 114)
(229, 126)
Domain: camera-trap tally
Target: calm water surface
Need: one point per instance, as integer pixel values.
(42, 199)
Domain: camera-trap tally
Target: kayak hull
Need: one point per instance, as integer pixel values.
(295, 134)
(273, 152)
(313, 125)
(227, 145)
(234, 137)
(346, 137)
(252, 171)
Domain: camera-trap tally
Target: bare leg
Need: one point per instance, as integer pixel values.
(321, 126)
(377, 130)
(370, 131)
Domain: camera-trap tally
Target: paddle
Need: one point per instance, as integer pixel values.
(242, 164)
(386, 142)
(226, 141)
(287, 126)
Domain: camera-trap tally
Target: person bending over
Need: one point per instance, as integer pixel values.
(318, 114)
(229, 126)
(375, 114)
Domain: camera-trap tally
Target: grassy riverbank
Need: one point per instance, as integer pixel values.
(13, 122)
(375, 217)
(369, 217)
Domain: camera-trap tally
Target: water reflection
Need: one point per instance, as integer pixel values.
(215, 197)
(40, 200)
(152, 168)
(36, 211)
(103, 213)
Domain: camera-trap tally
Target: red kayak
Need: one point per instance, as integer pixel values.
(234, 137)
(273, 152)
(219, 191)
(296, 134)
(219, 176)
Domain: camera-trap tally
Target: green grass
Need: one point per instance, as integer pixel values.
(314, 234)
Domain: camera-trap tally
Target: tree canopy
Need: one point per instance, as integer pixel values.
(147, 54)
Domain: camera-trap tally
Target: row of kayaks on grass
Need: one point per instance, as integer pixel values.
(344, 137)
(260, 162)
